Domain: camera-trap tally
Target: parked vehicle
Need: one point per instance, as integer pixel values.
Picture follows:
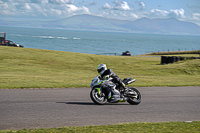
(10, 43)
(99, 95)
(127, 53)
(4, 42)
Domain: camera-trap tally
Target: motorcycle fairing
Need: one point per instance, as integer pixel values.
(99, 90)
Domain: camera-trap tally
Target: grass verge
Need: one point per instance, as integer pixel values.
(162, 127)
(36, 68)
(193, 52)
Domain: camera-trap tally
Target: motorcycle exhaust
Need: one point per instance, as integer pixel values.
(131, 81)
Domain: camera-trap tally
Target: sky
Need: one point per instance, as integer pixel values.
(28, 10)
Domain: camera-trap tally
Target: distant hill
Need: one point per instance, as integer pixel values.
(167, 26)
(95, 23)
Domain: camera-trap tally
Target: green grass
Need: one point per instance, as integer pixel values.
(36, 68)
(183, 55)
(197, 52)
(163, 127)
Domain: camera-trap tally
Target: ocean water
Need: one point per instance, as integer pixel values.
(99, 42)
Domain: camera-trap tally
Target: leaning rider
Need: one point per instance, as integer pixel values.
(110, 85)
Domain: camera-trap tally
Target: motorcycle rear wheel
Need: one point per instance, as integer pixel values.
(135, 100)
(96, 98)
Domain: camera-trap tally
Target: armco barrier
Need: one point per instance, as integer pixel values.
(172, 59)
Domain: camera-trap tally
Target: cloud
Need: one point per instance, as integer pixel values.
(134, 16)
(119, 9)
(141, 5)
(41, 8)
(177, 13)
(114, 14)
(118, 5)
(107, 6)
(158, 13)
(61, 1)
(121, 5)
(173, 13)
(92, 3)
(196, 16)
(86, 3)
(73, 9)
(56, 11)
(6, 10)
(39, 1)
(27, 7)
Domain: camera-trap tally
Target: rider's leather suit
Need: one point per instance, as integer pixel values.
(110, 85)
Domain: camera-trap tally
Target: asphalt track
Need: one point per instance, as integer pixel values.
(47, 108)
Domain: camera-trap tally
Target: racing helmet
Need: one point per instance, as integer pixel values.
(101, 68)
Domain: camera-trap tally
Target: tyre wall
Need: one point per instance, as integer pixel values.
(172, 59)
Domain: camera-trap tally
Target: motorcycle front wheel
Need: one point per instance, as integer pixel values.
(135, 100)
(96, 98)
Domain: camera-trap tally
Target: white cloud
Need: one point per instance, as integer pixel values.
(5, 0)
(73, 9)
(122, 6)
(134, 16)
(107, 6)
(27, 6)
(61, 1)
(158, 13)
(141, 5)
(56, 11)
(121, 10)
(173, 13)
(114, 14)
(41, 8)
(196, 16)
(6, 10)
(36, 1)
(177, 13)
(92, 3)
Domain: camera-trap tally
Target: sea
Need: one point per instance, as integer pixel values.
(94, 42)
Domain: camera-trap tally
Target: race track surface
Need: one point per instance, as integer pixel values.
(47, 108)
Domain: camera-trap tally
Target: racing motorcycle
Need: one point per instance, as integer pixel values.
(100, 95)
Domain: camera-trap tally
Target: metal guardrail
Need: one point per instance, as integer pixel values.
(110, 54)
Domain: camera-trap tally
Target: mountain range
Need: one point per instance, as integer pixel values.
(95, 23)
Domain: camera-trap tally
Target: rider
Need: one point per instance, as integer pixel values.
(110, 85)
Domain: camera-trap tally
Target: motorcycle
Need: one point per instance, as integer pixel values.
(101, 96)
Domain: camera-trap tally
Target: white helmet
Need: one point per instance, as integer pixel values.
(101, 68)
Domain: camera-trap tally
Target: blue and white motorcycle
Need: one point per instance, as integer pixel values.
(100, 95)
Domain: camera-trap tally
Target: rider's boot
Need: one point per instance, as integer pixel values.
(130, 92)
(116, 95)
(126, 90)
